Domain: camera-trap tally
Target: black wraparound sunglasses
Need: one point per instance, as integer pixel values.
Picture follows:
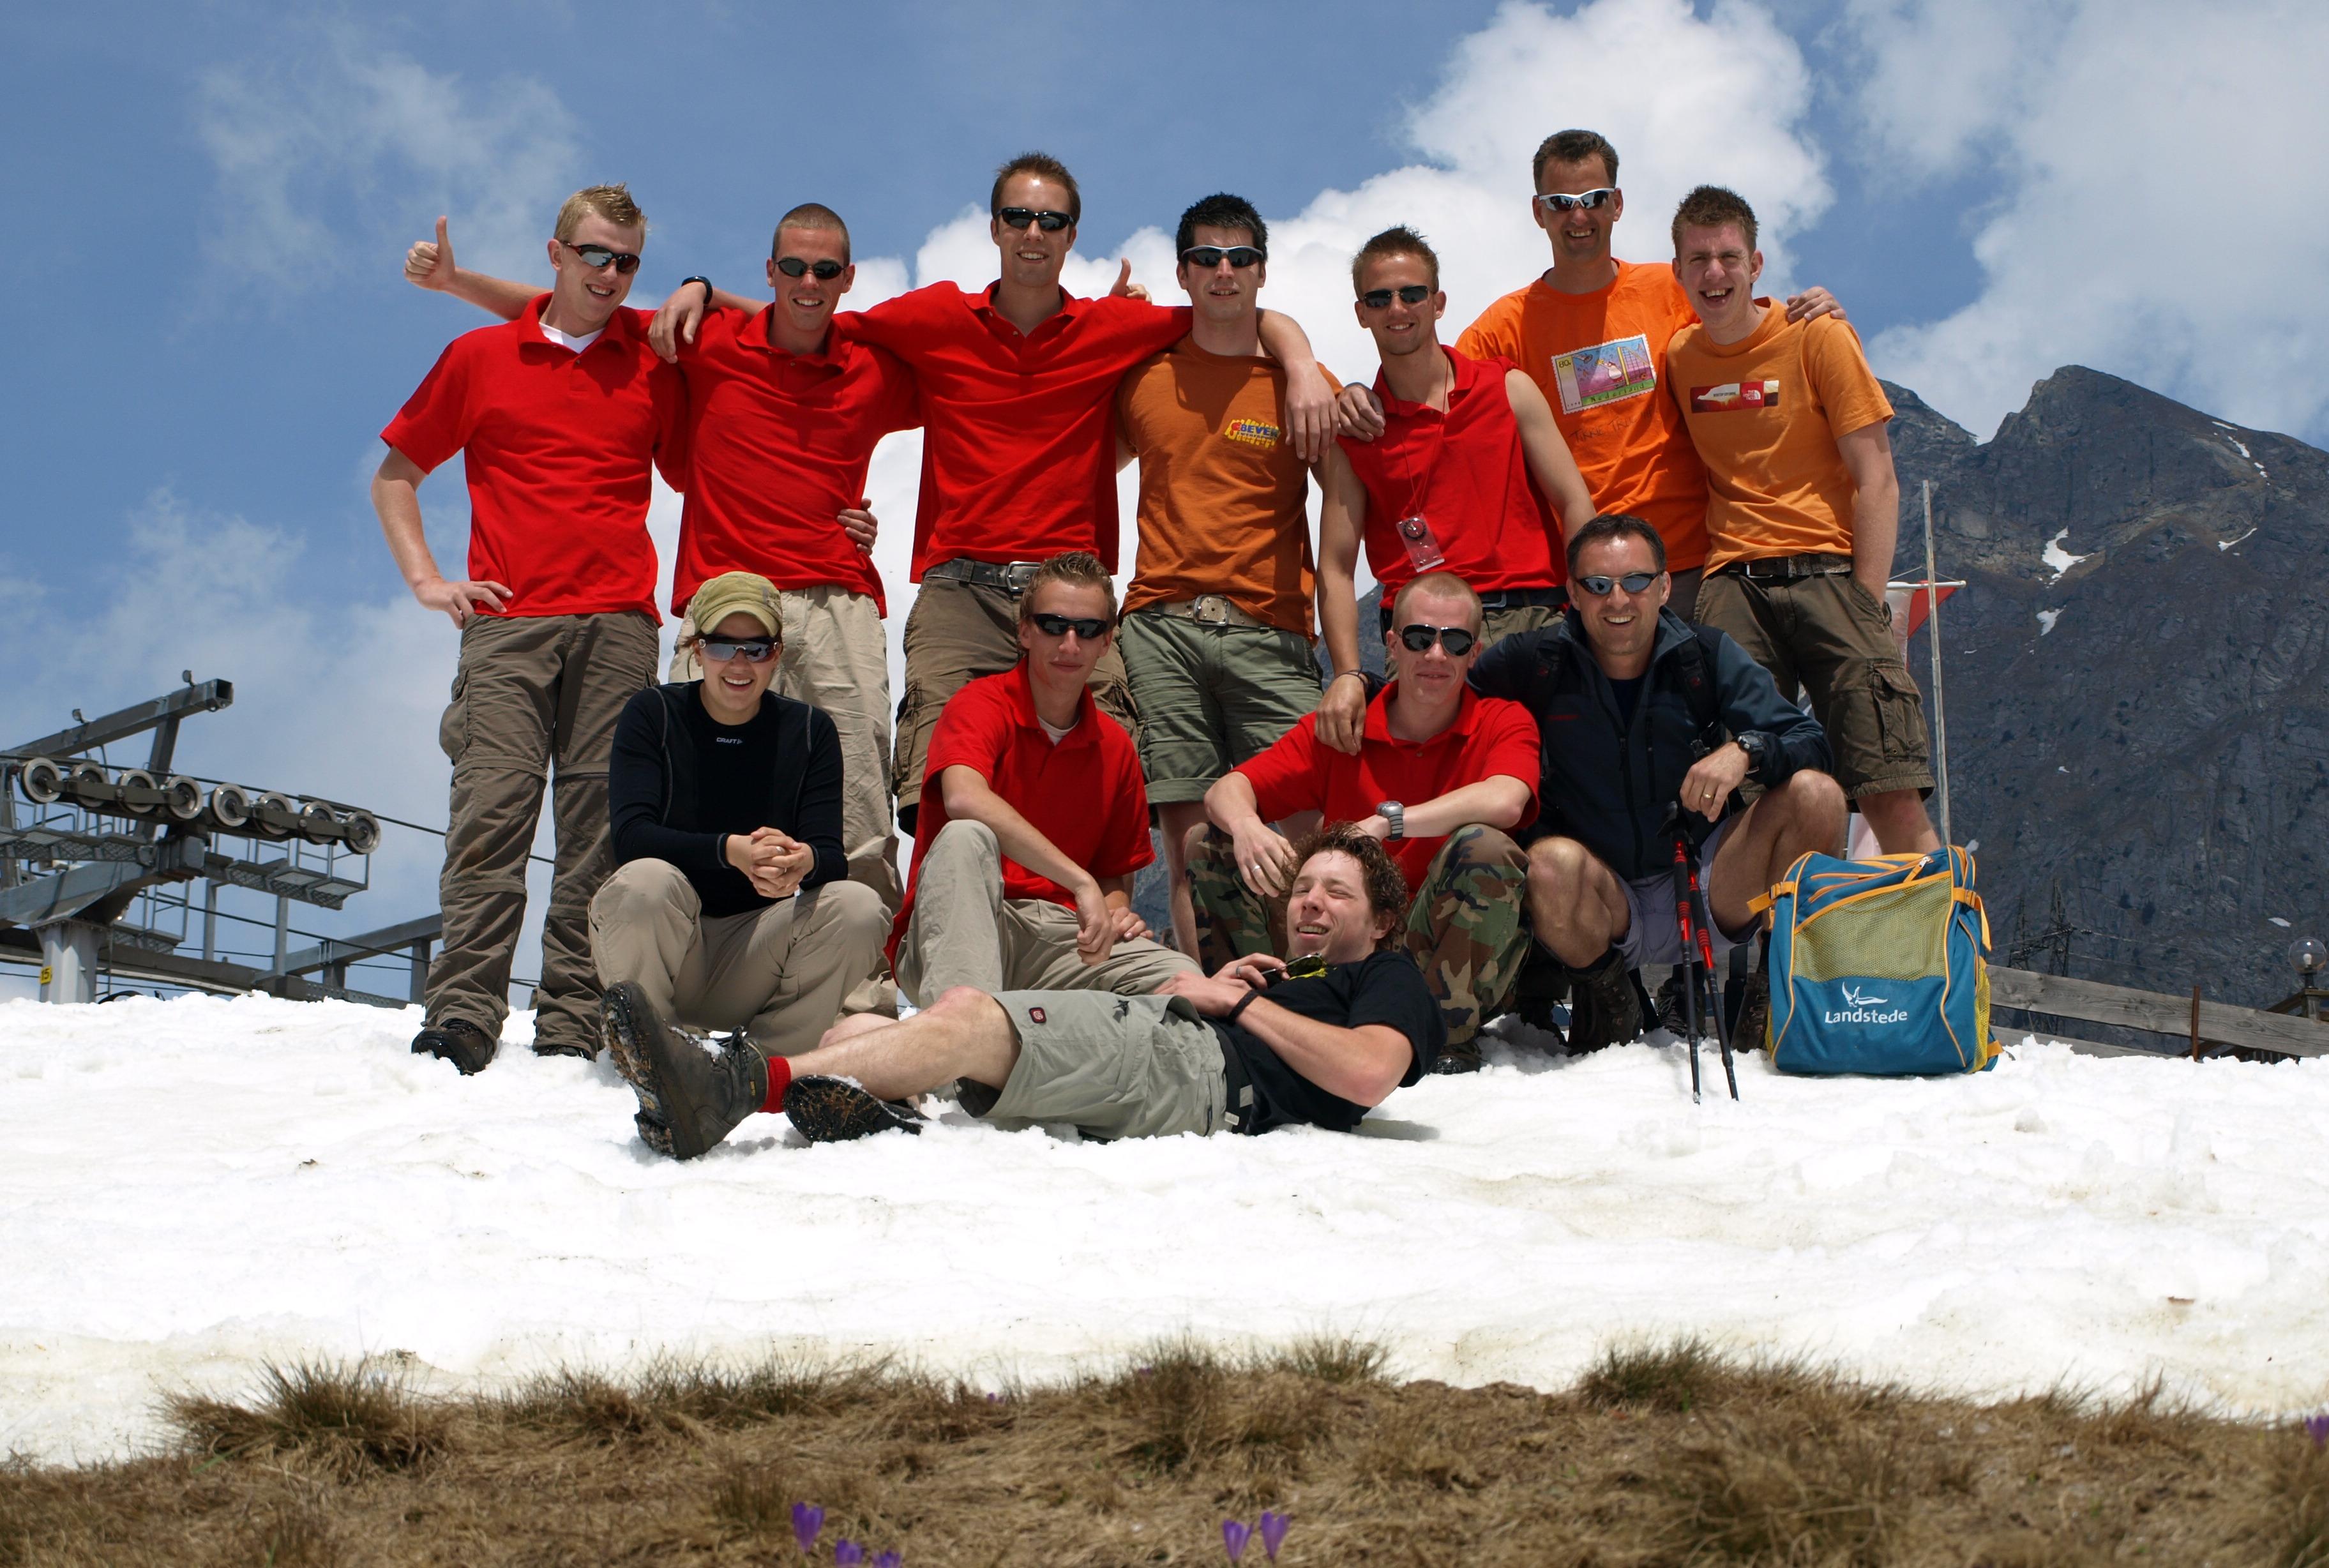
(793, 267)
(1205, 257)
(1049, 221)
(1409, 294)
(1088, 627)
(597, 256)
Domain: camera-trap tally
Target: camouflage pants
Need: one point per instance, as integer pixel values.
(1466, 927)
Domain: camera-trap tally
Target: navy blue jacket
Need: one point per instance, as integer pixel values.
(1606, 784)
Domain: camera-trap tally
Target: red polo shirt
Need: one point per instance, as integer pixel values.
(557, 446)
(779, 444)
(1489, 736)
(1019, 428)
(1466, 472)
(1084, 794)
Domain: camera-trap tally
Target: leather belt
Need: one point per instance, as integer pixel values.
(1788, 567)
(1011, 577)
(1521, 598)
(1206, 609)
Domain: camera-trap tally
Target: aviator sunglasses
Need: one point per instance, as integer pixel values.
(1559, 202)
(1205, 257)
(1599, 586)
(1088, 627)
(760, 650)
(793, 267)
(1049, 221)
(597, 256)
(1409, 294)
(1457, 640)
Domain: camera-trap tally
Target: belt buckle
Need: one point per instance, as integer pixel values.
(1210, 610)
(1017, 574)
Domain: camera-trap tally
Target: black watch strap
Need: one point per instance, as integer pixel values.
(699, 277)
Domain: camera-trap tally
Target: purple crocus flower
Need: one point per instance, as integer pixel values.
(845, 1552)
(2316, 1427)
(808, 1521)
(1234, 1535)
(1273, 1532)
(889, 1560)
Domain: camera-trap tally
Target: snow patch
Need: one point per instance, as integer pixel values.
(196, 1185)
(2059, 559)
(2278, 922)
(2223, 544)
(2047, 618)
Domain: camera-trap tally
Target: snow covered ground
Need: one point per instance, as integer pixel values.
(190, 1187)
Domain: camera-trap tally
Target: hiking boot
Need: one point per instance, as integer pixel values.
(1453, 1059)
(584, 1049)
(459, 1042)
(1671, 1009)
(1604, 1005)
(1754, 1014)
(834, 1111)
(1541, 986)
(688, 1100)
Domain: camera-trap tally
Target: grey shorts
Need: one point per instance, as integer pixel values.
(1655, 935)
(1114, 1066)
(1211, 696)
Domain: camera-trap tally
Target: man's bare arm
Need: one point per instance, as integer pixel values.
(1342, 514)
(1548, 454)
(1496, 801)
(1309, 405)
(970, 797)
(1361, 1065)
(1867, 454)
(396, 496)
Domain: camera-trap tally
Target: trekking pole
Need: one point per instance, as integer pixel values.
(1933, 629)
(1682, 881)
(1705, 923)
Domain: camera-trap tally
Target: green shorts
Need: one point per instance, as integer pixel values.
(1114, 1066)
(1831, 636)
(1211, 696)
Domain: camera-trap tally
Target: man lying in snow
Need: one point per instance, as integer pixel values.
(1316, 1037)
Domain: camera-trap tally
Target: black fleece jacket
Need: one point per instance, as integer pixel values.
(678, 783)
(1608, 782)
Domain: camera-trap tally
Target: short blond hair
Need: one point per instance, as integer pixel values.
(612, 202)
(1077, 569)
(1445, 584)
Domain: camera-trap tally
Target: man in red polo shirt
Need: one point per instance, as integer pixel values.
(1034, 821)
(559, 413)
(1465, 479)
(1442, 775)
(1018, 387)
(784, 417)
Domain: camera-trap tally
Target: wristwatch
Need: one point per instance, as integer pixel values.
(699, 277)
(1392, 812)
(1758, 748)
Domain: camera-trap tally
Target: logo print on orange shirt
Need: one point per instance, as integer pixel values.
(1253, 432)
(1732, 395)
(1606, 372)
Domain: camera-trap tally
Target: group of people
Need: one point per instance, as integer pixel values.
(1359, 868)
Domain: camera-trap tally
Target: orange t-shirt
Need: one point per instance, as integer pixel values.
(1598, 358)
(1765, 415)
(1223, 499)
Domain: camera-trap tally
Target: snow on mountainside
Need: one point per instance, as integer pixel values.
(188, 1188)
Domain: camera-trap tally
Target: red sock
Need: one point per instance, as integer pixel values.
(780, 1078)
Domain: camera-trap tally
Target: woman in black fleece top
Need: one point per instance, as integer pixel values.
(729, 908)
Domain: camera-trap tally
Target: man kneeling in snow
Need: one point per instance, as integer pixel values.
(1316, 1037)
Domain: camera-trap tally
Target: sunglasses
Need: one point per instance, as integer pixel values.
(760, 650)
(1089, 628)
(1599, 586)
(1457, 640)
(1205, 257)
(825, 271)
(1557, 201)
(1049, 221)
(597, 256)
(1308, 966)
(1410, 294)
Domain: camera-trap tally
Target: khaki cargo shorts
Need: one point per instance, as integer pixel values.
(1830, 636)
(1114, 1066)
(1211, 696)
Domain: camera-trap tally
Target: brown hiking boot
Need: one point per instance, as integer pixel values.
(459, 1042)
(1605, 1007)
(689, 1099)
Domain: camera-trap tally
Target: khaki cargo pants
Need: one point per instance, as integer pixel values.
(956, 632)
(836, 657)
(964, 932)
(534, 697)
(778, 973)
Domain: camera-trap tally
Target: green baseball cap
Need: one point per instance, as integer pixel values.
(732, 593)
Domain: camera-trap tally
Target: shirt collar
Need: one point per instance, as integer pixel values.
(1023, 707)
(621, 327)
(981, 304)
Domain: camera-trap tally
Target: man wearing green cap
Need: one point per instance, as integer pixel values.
(729, 908)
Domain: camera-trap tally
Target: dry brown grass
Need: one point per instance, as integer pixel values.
(1662, 1457)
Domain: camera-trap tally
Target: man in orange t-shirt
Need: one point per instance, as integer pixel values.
(1591, 332)
(1216, 629)
(1803, 511)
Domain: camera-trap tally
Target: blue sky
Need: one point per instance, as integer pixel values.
(214, 199)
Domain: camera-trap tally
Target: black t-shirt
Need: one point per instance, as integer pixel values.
(1630, 696)
(1384, 988)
